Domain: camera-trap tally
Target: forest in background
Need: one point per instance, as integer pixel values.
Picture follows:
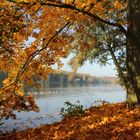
(62, 78)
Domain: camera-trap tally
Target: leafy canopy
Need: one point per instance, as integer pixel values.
(36, 34)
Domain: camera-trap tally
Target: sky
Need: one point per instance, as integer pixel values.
(92, 69)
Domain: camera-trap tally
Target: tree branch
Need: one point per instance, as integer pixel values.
(118, 67)
(69, 6)
(34, 54)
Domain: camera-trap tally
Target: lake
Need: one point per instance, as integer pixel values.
(51, 100)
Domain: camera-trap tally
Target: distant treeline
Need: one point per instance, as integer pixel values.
(64, 78)
(80, 78)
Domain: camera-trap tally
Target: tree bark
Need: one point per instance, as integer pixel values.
(133, 52)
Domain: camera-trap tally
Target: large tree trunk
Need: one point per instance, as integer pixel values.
(133, 52)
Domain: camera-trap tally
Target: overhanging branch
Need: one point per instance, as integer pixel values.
(32, 56)
(73, 7)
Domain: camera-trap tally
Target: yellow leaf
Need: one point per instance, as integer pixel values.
(20, 92)
(118, 5)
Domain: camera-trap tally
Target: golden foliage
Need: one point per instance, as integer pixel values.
(29, 46)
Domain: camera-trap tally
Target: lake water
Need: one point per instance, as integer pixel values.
(51, 100)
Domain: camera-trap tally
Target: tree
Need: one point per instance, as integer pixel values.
(131, 73)
(29, 47)
(102, 45)
(35, 34)
(133, 50)
(131, 79)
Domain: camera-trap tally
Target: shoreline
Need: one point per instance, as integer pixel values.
(109, 121)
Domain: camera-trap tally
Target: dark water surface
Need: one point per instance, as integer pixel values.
(51, 100)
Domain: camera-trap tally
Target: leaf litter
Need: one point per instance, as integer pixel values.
(105, 122)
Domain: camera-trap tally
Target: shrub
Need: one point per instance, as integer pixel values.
(71, 110)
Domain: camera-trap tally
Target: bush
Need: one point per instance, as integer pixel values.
(71, 110)
(100, 102)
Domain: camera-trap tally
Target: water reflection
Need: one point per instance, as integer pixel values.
(51, 100)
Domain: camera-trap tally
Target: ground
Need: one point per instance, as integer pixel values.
(106, 122)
